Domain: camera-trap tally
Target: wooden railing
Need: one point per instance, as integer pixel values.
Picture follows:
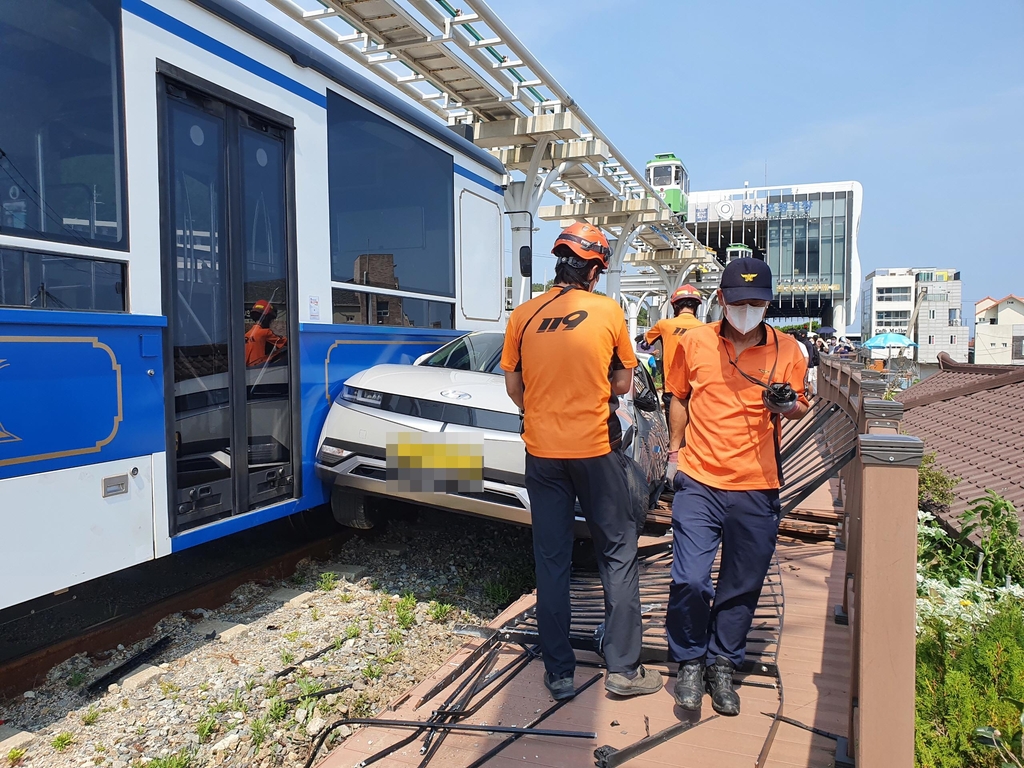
(879, 494)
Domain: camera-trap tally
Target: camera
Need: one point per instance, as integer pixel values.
(779, 396)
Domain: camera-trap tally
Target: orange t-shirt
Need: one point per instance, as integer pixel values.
(566, 353)
(671, 330)
(260, 344)
(730, 440)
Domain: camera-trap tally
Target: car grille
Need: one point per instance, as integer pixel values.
(451, 413)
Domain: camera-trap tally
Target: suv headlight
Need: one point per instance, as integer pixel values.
(361, 396)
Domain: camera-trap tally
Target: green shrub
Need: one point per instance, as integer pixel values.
(964, 681)
(934, 486)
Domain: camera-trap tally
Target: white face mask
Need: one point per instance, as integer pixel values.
(744, 317)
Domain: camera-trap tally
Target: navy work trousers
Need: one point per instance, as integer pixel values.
(707, 620)
(600, 485)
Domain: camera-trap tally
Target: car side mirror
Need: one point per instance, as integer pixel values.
(422, 357)
(526, 261)
(647, 401)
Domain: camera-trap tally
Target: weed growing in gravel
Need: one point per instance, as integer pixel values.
(238, 703)
(327, 581)
(250, 684)
(315, 614)
(90, 717)
(307, 686)
(206, 727)
(99, 748)
(218, 707)
(204, 687)
(440, 612)
(291, 637)
(375, 584)
(406, 617)
(287, 657)
(258, 730)
(298, 579)
(169, 689)
(372, 671)
(272, 688)
(62, 741)
(278, 710)
(385, 605)
(76, 679)
(498, 593)
(345, 597)
(352, 631)
(395, 637)
(182, 759)
(392, 657)
(260, 669)
(339, 641)
(360, 707)
(15, 756)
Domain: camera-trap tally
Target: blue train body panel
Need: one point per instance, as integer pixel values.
(76, 389)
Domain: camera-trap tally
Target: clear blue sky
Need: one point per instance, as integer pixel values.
(920, 101)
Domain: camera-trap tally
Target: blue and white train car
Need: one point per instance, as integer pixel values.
(206, 225)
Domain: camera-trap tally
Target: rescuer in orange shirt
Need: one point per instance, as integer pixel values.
(261, 343)
(685, 302)
(567, 356)
(733, 382)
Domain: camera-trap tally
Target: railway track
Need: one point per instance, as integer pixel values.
(64, 628)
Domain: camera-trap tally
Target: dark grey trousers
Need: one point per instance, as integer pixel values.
(600, 485)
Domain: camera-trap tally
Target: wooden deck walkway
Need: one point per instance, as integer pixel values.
(813, 663)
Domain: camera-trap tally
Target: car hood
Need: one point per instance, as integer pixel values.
(469, 388)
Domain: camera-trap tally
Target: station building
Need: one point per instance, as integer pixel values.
(806, 232)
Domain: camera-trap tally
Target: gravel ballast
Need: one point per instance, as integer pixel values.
(216, 695)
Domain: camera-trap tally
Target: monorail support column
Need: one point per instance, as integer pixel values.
(613, 281)
(526, 196)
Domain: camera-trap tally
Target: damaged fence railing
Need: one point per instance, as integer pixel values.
(879, 493)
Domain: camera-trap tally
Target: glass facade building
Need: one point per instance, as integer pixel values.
(807, 233)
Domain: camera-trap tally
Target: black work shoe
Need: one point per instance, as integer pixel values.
(560, 689)
(689, 688)
(718, 678)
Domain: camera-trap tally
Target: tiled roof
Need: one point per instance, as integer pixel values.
(972, 418)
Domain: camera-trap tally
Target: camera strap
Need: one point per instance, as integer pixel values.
(776, 419)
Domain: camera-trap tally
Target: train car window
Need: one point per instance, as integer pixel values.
(662, 176)
(392, 204)
(31, 280)
(361, 308)
(61, 126)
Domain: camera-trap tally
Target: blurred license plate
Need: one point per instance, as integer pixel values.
(435, 462)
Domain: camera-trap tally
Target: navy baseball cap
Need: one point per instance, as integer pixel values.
(746, 279)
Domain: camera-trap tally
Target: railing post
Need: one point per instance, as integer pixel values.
(885, 592)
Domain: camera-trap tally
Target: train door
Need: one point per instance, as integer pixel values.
(228, 272)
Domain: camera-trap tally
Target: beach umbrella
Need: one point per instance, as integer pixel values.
(889, 341)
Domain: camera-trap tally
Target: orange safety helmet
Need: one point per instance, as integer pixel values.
(686, 292)
(586, 241)
(262, 309)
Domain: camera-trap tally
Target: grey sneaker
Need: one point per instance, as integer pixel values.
(646, 681)
(689, 688)
(561, 689)
(718, 678)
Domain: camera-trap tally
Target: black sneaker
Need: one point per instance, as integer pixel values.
(561, 689)
(718, 679)
(689, 688)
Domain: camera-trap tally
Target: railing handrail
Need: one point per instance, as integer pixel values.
(879, 491)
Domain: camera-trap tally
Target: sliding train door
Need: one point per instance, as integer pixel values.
(228, 272)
